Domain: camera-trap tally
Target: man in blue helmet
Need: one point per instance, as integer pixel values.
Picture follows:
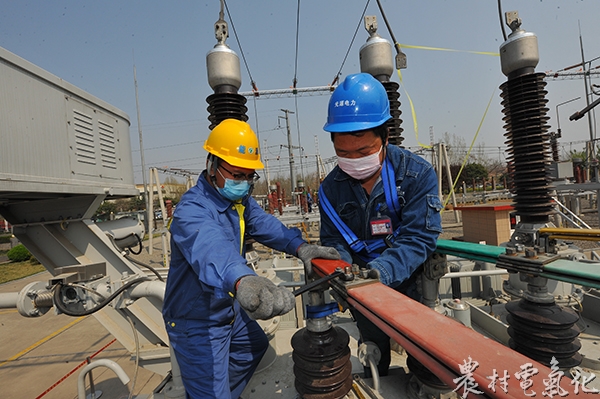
(379, 207)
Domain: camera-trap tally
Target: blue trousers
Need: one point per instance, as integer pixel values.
(217, 361)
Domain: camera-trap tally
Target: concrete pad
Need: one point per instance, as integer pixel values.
(38, 353)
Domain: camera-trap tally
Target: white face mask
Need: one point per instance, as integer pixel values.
(361, 168)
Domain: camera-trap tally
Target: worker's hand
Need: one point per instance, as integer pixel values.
(307, 252)
(262, 299)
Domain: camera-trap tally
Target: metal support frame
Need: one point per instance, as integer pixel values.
(164, 232)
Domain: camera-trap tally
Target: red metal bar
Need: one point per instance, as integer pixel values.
(323, 267)
(442, 344)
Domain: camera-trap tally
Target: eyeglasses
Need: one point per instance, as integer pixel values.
(251, 178)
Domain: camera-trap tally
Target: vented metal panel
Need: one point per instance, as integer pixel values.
(58, 139)
(108, 152)
(84, 138)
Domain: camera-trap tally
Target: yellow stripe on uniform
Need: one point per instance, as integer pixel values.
(240, 210)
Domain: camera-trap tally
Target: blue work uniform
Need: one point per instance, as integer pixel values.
(217, 345)
(416, 227)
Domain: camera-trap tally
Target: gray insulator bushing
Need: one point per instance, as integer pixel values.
(223, 67)
(519, 51)
(376, 58)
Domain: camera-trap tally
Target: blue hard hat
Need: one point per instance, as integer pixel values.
(360, 102)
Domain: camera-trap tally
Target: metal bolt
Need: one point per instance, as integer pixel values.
(530, 252)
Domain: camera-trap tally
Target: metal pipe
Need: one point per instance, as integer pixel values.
(99, 363)
(575, 234)
(155, 289)
(557, 118)
(560, 205)
(9, 300)
(475, 273)
(176, 390)
(374, 373)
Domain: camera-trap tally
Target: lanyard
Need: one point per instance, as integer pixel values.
(388, 178)
(391, 197)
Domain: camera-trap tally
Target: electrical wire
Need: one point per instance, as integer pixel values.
(239, 45)
(581, 323)
(139, 244)
(58, 302)
(389, 28)
(83, 287)
(137, 355)
(170, 145)
(295, 81)
(153, 270)
(337, 76)
(500, 15)
(257, 130)
(137, 262)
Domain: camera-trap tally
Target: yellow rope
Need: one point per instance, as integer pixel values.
(414, 114)
(469, 152)
(449, 49)
(412, 110)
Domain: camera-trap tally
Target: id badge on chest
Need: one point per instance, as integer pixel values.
(381, 225)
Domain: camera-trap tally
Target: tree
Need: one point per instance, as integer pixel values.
(136, 203)
(456, 148)
(474, 171)
(104, 210)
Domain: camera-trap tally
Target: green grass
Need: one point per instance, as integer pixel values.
(16, 270)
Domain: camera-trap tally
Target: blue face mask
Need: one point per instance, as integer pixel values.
(234, 190)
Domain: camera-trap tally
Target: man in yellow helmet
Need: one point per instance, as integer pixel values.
(212, 297)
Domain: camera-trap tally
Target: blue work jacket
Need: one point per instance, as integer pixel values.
(205, 253)
(419, 218)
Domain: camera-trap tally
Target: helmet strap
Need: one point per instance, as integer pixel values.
(212, 163)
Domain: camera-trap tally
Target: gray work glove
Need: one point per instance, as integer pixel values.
(307, 252)
(262, 299)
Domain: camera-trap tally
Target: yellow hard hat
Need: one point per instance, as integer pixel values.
(236, 143)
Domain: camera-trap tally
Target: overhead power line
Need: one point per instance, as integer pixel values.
(298, 92)
(550, 75)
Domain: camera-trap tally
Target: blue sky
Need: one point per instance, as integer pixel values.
(93, 46)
